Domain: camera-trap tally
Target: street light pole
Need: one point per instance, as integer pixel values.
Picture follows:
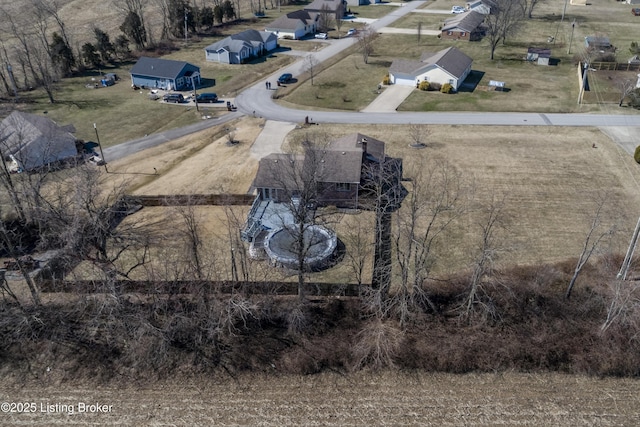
(100, 147)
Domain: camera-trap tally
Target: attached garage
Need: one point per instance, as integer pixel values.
(447, 66)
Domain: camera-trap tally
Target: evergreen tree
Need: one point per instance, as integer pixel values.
(105, 48)
(121, 45)
(61, 55)
(90, 56)
(229, 11)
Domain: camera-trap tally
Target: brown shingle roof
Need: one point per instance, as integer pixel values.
(340, 161)
(468, 21)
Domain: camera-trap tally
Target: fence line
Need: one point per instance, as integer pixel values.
(193, 200)
(614, 66)
(196, 286)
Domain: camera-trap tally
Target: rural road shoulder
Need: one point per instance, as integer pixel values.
(131, 147)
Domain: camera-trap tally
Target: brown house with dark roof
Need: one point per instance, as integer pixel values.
(464, 26)
(344, 173)
(336, 8)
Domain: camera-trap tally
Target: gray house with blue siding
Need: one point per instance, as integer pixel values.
(241, 47)
(164, 74)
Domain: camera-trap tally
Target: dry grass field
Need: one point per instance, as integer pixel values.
(360, 399)
(550, 178)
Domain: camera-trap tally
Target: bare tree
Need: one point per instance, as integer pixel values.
(84, 217)
(504, 19)
(626, 86)
(366, 38)
(295, 177)
(326, 18)
(438, 198)
(529, 5)
(418, 134)
(339, 21)
(598, 230)
(33, 52)
(624, 308)
(311, 65)
(359, 245)
(11, 240)
(486, 256)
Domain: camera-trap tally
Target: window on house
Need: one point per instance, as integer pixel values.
(343, 186)
(268, 193)
(449, 33)
(462, 34)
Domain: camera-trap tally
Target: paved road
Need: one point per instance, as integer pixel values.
(123, 150)
(257, 100)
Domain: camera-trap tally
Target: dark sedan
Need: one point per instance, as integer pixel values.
(207, 97)
(285, 78)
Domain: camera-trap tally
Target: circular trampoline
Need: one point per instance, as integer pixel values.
(319, 245)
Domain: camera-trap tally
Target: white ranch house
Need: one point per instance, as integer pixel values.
(294, 25)
(447, 66)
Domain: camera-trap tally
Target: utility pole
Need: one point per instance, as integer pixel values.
(573, 27)
(100, 147)
(13, 80)
(564, 9)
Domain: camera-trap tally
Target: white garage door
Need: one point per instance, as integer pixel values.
(404, 81)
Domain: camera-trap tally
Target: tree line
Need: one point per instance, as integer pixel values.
(37, 48)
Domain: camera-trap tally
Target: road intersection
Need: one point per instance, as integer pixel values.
(257, 101)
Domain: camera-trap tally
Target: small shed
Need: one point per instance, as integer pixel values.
(540, 55)
(601, 43)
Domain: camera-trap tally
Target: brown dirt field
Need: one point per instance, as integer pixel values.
(359, 399)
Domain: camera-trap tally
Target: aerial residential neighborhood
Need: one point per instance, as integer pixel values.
(320, 212)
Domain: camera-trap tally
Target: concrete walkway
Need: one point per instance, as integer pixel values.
(389, 99)
(435, 11)
(271, 138)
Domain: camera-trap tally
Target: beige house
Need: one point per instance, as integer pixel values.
(447, 66)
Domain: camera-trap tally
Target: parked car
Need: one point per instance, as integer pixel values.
(173, 97)
(458, 9)
(285, 78)
(207, 97)
(636, 11)
(322, 36)
(351, 32)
